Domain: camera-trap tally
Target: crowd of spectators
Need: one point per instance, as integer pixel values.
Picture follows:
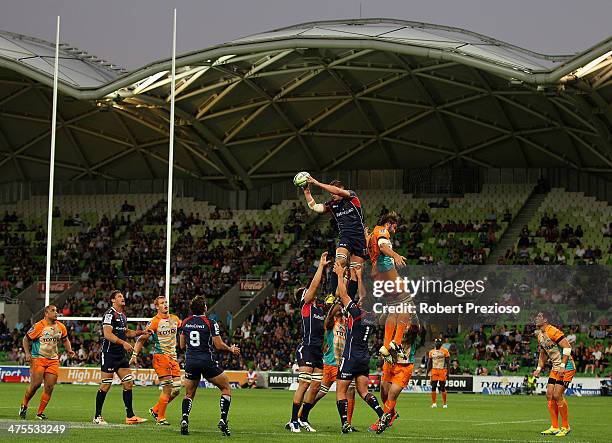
(18, 266)
(448, 244)
(504, 350)
(567, 242)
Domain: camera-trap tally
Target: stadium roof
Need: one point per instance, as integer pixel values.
(340, 95)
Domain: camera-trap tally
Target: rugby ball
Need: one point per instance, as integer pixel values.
(301, 179)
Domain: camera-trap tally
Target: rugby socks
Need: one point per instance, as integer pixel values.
(333, 283)
(400, 328)
(162, 404)
(554, 417)
(351, 289)
(390, 405)
(342, 410)
(562, 407)
(224, 403)
(44, 399)
(444, 397)
(295, 411)
(186, 408)
(127, 401)
(306, 407)
(351, 408)
(373, 403)
(434, 396)
(100, 397)
(389, 331)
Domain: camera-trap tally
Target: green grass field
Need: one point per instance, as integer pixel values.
(260, 415)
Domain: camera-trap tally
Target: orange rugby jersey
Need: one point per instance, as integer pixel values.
(164, 332)
(438, 358)
(549, 339)
(373, 248)
(45, 338)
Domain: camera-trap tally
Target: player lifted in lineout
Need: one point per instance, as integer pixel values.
(163, 329)
(355, 364)
(200, 335)
(554, 346)
(438, 362)
(40, 346)
(335, 326)
(384, 263)
(113, 358)
(309, 353)
(395, 378)
(345, 208)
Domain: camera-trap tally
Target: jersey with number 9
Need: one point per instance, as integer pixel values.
(198, 332)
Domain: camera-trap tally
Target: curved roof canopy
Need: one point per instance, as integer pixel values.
(360, 94)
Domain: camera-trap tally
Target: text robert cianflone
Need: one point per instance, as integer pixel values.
(437, 308)
(458, 288)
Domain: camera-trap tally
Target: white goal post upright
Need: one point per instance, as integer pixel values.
(170, 163)
(52, 166)
(169, 196)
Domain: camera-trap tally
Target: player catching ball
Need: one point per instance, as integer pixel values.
(163, 329)
(200, 335)
(113, 358)
(40, 347)
(438, 363)
(345, 208)
(554, 346)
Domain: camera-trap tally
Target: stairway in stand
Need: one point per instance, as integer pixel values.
(511, 235)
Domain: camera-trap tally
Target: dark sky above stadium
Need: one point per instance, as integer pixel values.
(132, 33)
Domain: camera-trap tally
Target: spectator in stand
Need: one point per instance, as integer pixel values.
(507, 216)
(126, 207)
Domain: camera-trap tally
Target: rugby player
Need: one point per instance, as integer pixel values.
(163, 329)
(438, 362)
(395, 378)
(113, 358)
(554, 346)
(355, 363)
(384, 262)
(333, 346)
(40, 347)
(309, 352)
(200, 336)
(345, 208)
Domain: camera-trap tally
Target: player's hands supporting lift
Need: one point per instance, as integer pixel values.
(323, 260)
(339, 269)
(128, 347)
